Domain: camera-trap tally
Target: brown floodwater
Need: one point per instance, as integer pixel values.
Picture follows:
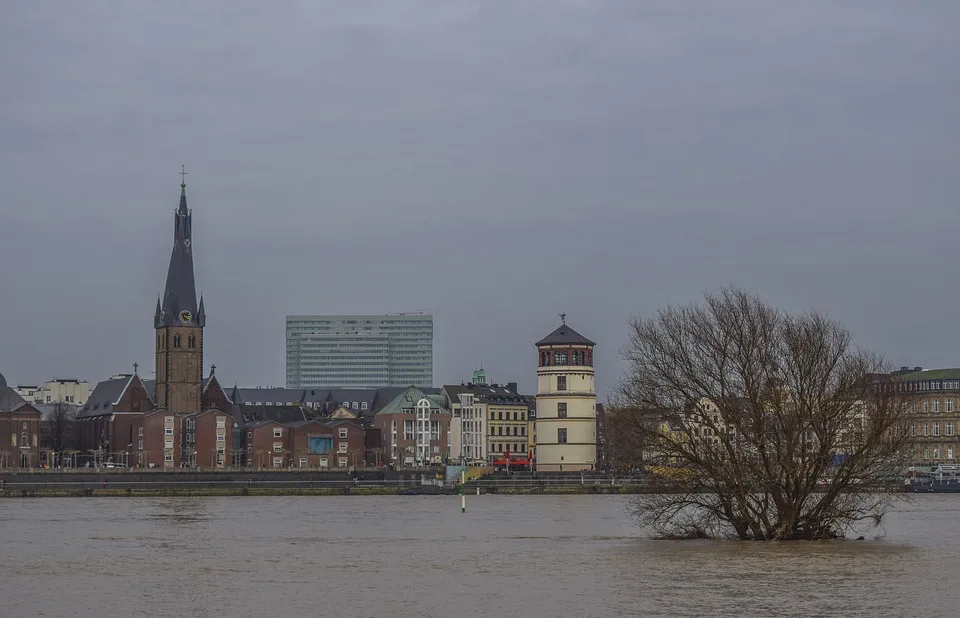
(401, 556)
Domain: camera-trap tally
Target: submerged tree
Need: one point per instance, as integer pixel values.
(760, 424)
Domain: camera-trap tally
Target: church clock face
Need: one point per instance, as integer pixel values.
(185, 316)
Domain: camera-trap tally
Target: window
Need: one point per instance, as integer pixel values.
(278, 432)
(168, 457)
(277, 462)
(926, 429)
(303, 462)
(499, 430)
(191, 342)
(342, 447)
(434, 430)
(936, 429)
(436, 449)
(324, 462)
(562, 435)
(491, 415)
(523, 431)
(515, 430)
(926, 405)
(936, 406)
(176, 341)
(168, 444)
(521, 416)
(936, 453)
(277, 447)
(949, 453)
(949, 428)
(168, 431)
(560, 358)
(140, 431)
(221, 436)
(249, 435)
(408, 430)
(343, 432)
(363, 405)
(949, 405)
(500, 415)
(562, 410)
(561, 383)
(139, 445)
(342, 462)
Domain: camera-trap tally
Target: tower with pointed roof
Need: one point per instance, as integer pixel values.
(179, 322)
(566, 425)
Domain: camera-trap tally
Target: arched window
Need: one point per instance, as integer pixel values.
(176, 341)
(191, 342)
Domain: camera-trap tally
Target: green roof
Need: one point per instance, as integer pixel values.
(930, 374)
(406, 402)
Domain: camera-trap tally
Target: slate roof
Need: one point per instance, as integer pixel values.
(180, 293)
(498, 394)
(247, 415)
(565, 335)
(10, 401)
(104, 396)
(274, 396)
(453, 391)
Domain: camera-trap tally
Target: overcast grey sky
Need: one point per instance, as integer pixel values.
(493, 163)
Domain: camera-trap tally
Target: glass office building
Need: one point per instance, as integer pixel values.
(359, 351)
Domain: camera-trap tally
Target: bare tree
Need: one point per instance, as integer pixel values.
(760, 424)
(58, 430)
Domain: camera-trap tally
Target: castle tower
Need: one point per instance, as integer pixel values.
(566, 425)
(179, 322)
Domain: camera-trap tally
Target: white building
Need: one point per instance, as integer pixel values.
(566, 425)
(468, 425)
(58, 390)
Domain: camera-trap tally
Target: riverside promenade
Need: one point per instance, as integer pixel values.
(251, 481)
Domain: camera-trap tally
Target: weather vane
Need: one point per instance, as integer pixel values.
(563, 318)
(183, 175)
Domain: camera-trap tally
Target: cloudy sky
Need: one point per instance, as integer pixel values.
(493, 163)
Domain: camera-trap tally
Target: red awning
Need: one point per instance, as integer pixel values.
(511, 462)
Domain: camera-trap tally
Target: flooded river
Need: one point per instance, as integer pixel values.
(402, 556)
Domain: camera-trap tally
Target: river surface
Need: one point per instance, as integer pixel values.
(399, 556)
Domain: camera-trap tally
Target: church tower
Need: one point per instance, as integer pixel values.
(179, 322)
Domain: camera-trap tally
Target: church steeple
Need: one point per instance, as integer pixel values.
(179, 305)
(179, 322)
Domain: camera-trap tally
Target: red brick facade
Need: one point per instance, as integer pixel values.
(20, 438)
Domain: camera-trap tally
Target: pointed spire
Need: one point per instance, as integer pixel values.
(179, 304)
(201, 313)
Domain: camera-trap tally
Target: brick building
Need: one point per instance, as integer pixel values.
(415, 428)
(19, 430)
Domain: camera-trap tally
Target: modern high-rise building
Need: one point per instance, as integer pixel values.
(359, 351)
